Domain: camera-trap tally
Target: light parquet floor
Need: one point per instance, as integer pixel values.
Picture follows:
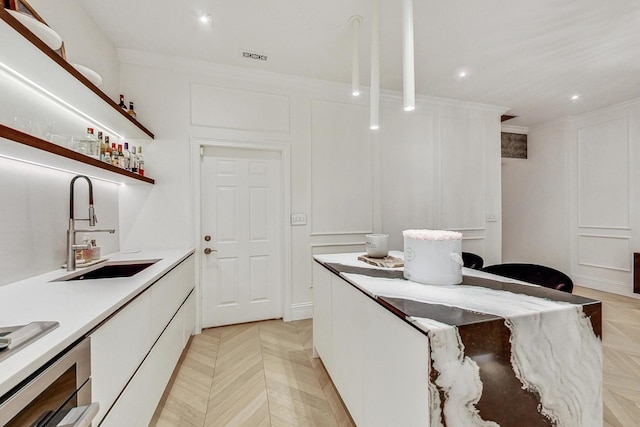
(253, 374)
(621, 357)
(263, 374)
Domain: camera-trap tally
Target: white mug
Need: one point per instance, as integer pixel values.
(377, 245)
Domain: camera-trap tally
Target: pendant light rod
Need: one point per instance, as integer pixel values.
(355, 22)
(374, 97)
(408, 66)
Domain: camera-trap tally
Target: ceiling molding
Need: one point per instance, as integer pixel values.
(135, 57)
(515, 129)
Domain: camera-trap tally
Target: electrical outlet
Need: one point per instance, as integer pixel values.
(298, 219)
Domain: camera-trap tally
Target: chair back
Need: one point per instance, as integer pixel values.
(533, 273)
(472, 260)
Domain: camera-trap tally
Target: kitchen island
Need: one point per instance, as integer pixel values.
(489, 352)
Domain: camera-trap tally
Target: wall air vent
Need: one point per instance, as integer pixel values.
(252, 55)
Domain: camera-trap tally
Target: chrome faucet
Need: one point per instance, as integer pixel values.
(72, 247)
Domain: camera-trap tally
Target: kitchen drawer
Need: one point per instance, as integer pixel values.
(168, 293)
(137, 403)
(117, 349)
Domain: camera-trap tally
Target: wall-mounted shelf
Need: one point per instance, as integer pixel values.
(22, 146)
(29, 57)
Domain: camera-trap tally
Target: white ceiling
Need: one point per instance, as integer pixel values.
(529, 55)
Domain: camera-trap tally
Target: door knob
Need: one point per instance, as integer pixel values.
(207, 251)
(207, 238)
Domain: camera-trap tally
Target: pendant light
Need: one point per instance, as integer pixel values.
(408, 70)
(355, 55)
(374, 97)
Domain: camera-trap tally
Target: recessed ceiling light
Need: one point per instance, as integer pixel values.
(462, 74)
(374, 127)
(409, 108)
(575, 97)
(205, 19)
(355, 93)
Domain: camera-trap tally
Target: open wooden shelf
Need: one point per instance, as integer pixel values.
(35, 150)
(29, 56)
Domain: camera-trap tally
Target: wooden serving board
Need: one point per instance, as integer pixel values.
(386, 262)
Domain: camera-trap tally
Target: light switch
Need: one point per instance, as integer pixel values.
(298, 219)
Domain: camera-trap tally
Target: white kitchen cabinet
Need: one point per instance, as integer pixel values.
(117, 349)
(378, 362)
(136, 405)
(168, 294)
(395, 370)
(347, 333)
(151, 331)
(322, 313)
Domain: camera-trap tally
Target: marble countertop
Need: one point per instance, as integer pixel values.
(481, 296)
(79, 306)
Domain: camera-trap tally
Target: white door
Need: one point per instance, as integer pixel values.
(242, 277)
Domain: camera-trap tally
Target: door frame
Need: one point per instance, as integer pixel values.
(197, 145)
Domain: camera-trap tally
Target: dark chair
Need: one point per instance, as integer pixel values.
(532, 273)
(471, 260)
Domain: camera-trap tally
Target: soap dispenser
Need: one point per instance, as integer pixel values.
(95, 250)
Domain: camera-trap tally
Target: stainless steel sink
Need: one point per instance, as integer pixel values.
(109, 270)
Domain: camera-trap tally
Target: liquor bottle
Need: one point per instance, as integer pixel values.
(114, 155)
(140, 162)
(127, 157)
(131, 111)
(101, 147)
(107, 150)
(120, 157)
(121, 105)
(134, 159)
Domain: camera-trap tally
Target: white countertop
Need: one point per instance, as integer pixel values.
(78, 306)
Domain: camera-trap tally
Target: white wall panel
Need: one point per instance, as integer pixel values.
(462, 185)
(603, 175)
(342, 168)
(610, 252)
(535, 202)
(474, 245)
(406, 150)
(220, 107)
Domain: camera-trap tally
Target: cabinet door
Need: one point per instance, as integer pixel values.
(189, 318)
(347, 335)
(137, 403)
(396, 371)
(322, 313)
(168, 293)
(117, 349)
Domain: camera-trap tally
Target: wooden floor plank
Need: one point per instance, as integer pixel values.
(263, 374)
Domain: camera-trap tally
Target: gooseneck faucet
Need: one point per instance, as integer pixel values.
(72, 247)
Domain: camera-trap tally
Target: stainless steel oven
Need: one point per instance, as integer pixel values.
(58, 394)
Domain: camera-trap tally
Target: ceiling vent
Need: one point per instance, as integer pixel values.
(252, 55)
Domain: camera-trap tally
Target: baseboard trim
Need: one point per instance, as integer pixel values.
(302, 311)
(603, 285)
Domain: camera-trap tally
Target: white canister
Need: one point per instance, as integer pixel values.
(433, 257)
(377, 245)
